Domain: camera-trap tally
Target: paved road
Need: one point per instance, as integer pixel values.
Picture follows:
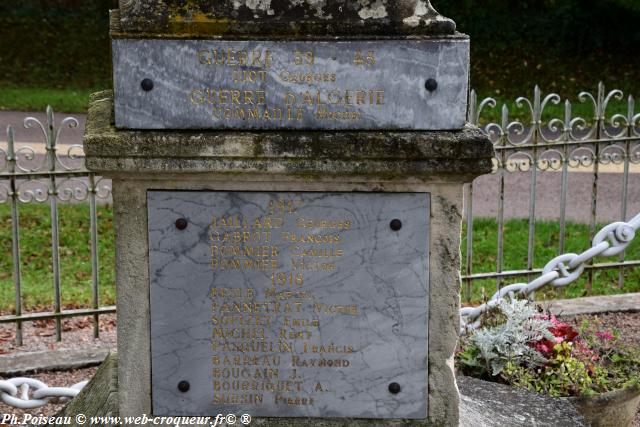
(485, 200)
(34, 134)
(517, 190)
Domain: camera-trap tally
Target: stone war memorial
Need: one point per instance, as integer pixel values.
(287, 182)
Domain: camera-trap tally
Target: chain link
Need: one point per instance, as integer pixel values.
(612, 240)
(15, 392)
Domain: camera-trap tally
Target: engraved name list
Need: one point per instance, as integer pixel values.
(247, 359)
(289, 304)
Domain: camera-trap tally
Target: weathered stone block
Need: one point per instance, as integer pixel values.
(277, 18)
(436, 156)
(496, 405)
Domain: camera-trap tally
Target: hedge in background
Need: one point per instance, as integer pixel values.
(564, 45)
(55, 43)
(554, 26)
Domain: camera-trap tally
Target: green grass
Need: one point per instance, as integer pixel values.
(522, 113)
(53, 52)
(37, 99)
(75, 257)
(546, 247)
(505, 74)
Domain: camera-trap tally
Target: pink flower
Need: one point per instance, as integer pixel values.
(581, 349)
(605, 335)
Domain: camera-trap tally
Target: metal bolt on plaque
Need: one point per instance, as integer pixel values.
(394, 388)
(395, 224)
(146, 85)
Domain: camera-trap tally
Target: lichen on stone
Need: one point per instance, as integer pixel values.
(317, 5)
(421, 10)
(255, 5)
(375, 10)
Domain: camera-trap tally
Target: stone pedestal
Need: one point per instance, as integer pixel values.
(354, 225)
(437, 163)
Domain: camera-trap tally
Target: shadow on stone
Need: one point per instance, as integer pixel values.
(482, 403)
(490, 404)
(99, 397)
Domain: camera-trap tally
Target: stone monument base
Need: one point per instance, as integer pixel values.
(142, 162)
(482, 403)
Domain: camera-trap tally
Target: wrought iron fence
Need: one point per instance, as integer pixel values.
(542, 143)
(547, 142)
(29, 174)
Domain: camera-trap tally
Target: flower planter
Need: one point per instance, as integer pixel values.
(613, 409)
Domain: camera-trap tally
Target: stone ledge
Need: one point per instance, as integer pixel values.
(490, 404)
(465, 153)
(622, 303)
(483, 403)
(51, 360)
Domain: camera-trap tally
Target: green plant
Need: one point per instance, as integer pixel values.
(560, 362)
(510, 341)
(563, 375)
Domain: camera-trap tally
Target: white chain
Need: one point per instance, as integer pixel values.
(15, 392)
(560, 271)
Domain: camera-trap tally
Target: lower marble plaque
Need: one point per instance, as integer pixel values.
(289, 304)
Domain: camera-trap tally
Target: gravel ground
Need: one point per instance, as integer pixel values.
(578, 208)
(627, 323)
(79, 333)
(76, 333)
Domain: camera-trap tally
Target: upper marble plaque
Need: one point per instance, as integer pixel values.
(416, 84)
(289, 304)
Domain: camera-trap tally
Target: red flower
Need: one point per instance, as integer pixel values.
(561, 331)
(544, 346)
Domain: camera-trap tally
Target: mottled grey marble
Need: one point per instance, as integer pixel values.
(401, 70)
(384, 273)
